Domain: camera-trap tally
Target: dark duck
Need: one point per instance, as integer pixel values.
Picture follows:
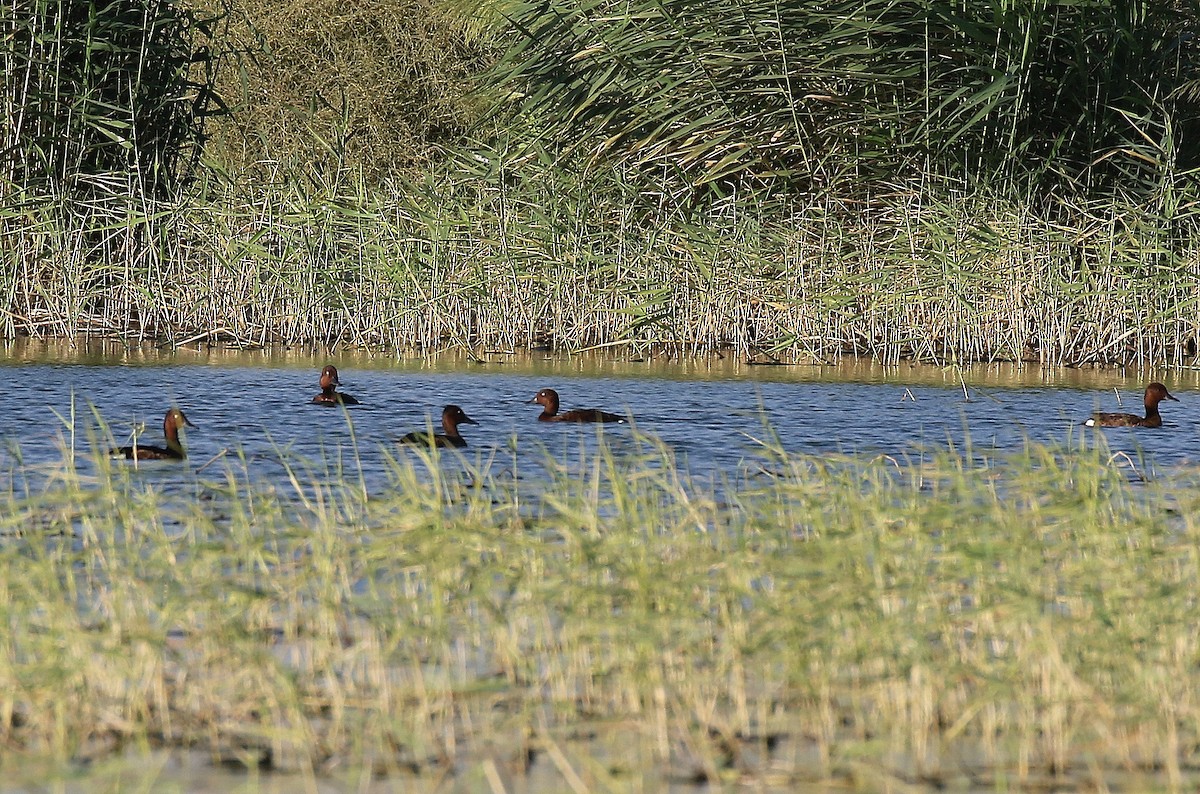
(329, 394)
(173, 422)
(452, 417)
(1155, 393)
(548, 399)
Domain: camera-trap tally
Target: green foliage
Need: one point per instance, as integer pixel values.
(368, 87)
(960, 620)
(100, 98)
(851, 95)
(802, 180)
(506, 249)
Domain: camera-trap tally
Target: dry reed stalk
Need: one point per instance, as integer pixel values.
(941, 283)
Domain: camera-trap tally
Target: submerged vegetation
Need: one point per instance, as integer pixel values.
(959, 621)
(937, 181)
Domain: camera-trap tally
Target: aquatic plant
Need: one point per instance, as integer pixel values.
(555, 260)
(533, 233)
(951, 619)
(101, 100)
(858, 97)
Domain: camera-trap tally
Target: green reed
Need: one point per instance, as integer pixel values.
(563, 259)
(954, 620)
(859, 96)
(353, 192)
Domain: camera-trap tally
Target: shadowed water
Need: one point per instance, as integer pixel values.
(713, 415)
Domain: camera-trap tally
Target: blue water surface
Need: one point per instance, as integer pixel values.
(715, 426)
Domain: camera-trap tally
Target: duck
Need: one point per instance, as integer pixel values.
(1155, 393)
(452, 417)
(329, 394)
(173, 422)
(548, 399)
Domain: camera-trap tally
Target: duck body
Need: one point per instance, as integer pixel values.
(452, 417)
(1155, 393)
(581, 415)
(329, 395)
(548, 399)
(334, 398)
(150, 452)
(173, 422)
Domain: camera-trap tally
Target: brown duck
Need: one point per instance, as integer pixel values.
(452, 417)
(329, 395)
(173, 422)
(1155, 393)
(548, 399)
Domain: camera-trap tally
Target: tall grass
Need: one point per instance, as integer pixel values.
(705, 206)
(1026, 620)
(100, 100)
(488, 262)
(851, 96)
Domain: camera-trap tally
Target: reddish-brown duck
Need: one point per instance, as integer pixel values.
(1155, 393)
(329, 395)
(452, 417)
(173, 422)
(548, 399)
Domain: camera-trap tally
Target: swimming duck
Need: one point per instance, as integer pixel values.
(452, 417)
(1155, 393)
(329, 394)
(548, 399)
(173, 422)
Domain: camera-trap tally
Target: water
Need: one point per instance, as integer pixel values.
(711, 414)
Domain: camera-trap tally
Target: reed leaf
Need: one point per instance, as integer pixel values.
(750, 91)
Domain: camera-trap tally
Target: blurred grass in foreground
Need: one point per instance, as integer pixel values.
(952, 620)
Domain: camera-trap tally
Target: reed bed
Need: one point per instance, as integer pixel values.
(950, 621)
(583, 175)
(854, 96)
(479, 266)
